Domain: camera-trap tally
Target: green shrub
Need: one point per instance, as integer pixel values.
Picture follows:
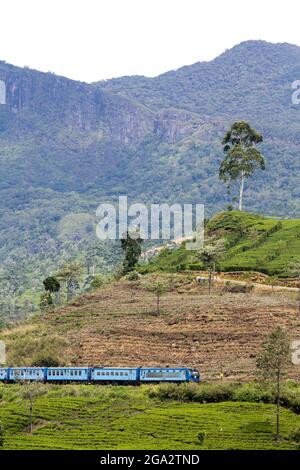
(97, 282)
(295, 436)
(201, 437)
(254, 392)
(133, 276)
(202, 393)
(228, 391)
(45, 361)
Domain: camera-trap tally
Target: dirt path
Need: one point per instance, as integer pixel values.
(257, 285)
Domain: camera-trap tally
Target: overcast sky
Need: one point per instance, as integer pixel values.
(90, 40)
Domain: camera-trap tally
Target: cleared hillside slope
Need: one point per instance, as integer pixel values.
(118, 326)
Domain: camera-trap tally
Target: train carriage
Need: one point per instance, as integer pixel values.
(99, 375)
(67, 374)
(116, 375)
(16, 374)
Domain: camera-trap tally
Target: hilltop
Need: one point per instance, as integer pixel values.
(253, 243)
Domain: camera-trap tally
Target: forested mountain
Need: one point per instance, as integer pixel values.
(66, 146)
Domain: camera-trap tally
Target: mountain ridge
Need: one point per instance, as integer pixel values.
(66, 146)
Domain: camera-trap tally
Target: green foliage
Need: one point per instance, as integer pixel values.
(46, 301)
(45, 361)
(254, 392)
(158, 287)
(77, 417)
(98, 282)
(51, 284)
(272, 362)
(274, 356)
(132, 248)
(133, 276)
(36, 347)
(242, 158)
(295, 436)
(201, 437)
(253, 243)
(70, 274)
(30, 391)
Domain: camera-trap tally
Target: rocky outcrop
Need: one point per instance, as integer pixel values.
(45, 100)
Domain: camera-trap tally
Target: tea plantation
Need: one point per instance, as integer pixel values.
(253, 243)
(87, 417)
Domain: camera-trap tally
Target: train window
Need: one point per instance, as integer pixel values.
(112, 373)
(71, 373)
(61, 372)
(107, 373)
(102, 373)
(121, 374)
(116, 373)
(79, 372)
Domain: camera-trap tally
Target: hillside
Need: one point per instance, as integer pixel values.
(118, 326)
(253, 243)
(115, 418)
(65, 146)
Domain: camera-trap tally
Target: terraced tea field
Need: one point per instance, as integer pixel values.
(85, 417)
(253, 243)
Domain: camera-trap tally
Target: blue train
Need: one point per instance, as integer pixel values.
(99, 375)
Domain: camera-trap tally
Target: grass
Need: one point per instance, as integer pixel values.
(254, 243)
(86, 417)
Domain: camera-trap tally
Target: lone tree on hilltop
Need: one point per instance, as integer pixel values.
(210, 255)
(272, 362)
(241, 156)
